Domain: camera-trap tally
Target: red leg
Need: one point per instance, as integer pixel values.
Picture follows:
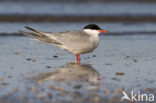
(78, 58)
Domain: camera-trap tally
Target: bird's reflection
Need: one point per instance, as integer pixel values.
(71, 72)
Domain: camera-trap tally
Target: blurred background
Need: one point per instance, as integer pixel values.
(119, 17)
(125, 60)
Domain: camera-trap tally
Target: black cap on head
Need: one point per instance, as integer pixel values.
(92, 26)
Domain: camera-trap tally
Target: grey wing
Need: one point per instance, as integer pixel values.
(75, 41)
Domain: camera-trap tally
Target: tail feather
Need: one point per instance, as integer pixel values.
(39, 35)
(33, 35)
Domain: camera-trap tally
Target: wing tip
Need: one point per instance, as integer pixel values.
(29, 28)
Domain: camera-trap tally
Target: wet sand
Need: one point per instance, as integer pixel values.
(39, 72)
(79, 18)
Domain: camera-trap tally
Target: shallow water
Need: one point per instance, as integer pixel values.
(25, 64)
(113, 28)
(78, 8)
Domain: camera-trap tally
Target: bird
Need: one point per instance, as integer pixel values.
(75, 41)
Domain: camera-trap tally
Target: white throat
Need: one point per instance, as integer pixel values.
(91, 32)
(94, 36)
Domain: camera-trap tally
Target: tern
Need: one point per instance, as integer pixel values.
(76, 41)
